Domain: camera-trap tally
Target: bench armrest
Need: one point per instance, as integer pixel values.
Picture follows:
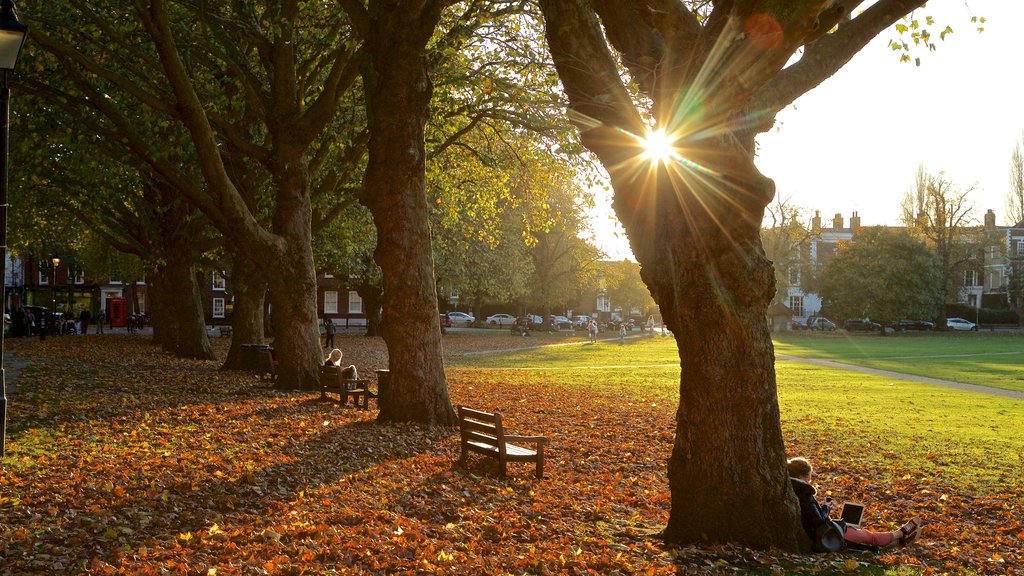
(540, 440)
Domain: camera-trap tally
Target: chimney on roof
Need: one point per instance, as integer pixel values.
(837, 222)
(990, 220)
(816, 221)
(855, 221)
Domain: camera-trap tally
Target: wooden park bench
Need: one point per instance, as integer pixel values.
(224, 330)
(332, 380)
(484, 433)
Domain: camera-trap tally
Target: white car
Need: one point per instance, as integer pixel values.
(501, 319)
(461, 318)
(961, 324)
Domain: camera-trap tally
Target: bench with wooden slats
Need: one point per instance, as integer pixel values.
(333, 381)
(484, 433)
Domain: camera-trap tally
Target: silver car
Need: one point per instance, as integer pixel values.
(961, 324)
(461, 318)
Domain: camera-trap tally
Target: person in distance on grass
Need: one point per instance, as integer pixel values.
(334, 359)
(813, 515)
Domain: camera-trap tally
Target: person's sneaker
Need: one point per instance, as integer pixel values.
(910, 531)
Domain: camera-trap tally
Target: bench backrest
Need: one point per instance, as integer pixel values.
(482, 428)
(330, 375)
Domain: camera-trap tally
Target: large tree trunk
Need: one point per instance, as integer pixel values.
(249, 291)
(701, 256)
(695, 232)
(292, 278)
(178, 304)
(373, 298)
(165, 323)
(398, 92)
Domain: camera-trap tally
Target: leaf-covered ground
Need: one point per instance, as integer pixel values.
(124, 461)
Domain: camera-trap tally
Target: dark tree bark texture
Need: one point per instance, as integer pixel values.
(373, 299)
(694, 224)
(249, 291)
(398, 93)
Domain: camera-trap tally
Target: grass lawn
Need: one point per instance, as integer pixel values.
(982, 358)
(121, 460)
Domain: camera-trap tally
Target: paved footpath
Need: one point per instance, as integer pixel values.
(901, 376)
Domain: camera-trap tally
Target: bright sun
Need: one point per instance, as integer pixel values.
(657, 146)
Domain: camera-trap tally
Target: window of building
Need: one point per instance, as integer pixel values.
(219, 283)
(995, 279)
(453, 297)
(970, 278)
(355, 303)
(1020, 247)
(330, 302)
(796, 304)
(794, 275)
(604, 304)
(44, 272)
(218, 307)
(80, 277)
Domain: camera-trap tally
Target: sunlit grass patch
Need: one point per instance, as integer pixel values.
(984, 359)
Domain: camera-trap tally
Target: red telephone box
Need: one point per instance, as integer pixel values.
(118, 308)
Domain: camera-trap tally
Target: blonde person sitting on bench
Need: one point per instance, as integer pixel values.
(334, 359)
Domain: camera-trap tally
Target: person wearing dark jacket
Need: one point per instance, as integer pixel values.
(83, 318)
(813, 514)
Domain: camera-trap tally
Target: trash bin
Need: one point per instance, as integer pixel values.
(250, 355)
(383, 392)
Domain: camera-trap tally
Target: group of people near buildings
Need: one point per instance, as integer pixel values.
(38, 321)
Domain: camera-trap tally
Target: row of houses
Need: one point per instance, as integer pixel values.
(58, 287)
(986, 284)
(62, 288)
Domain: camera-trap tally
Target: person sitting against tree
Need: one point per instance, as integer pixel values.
(813, 515)
(334, 359)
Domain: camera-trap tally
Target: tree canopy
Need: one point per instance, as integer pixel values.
(884, 275)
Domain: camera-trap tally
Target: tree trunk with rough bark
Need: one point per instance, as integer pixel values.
(249, 291)
(398, 93)
(702, 258)
(292, 278)
(713, 81)
(373, 298)
(177, 305)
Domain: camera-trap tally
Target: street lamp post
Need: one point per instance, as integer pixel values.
(51, 326)
(12, 38)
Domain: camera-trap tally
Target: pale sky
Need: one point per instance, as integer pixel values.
(854, 142)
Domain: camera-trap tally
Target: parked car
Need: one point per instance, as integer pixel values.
(501, 319)
(561, 323)
(821, 323)
(922, 325)
(460, 318)
(961, 324)
(446, 322)
(580, 322)
(861, 325)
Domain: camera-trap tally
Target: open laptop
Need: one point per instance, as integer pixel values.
(853, 513)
